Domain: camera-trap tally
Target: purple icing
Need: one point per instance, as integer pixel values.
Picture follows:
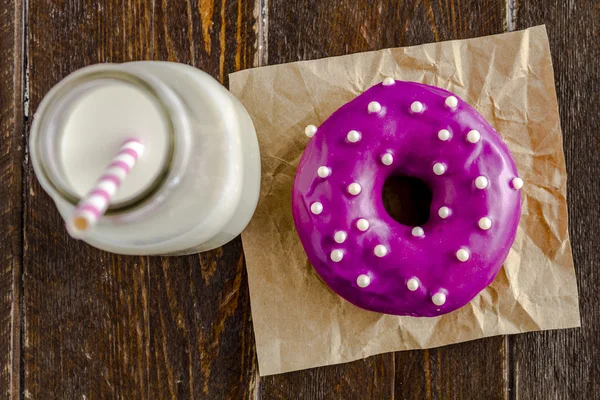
(412, 139)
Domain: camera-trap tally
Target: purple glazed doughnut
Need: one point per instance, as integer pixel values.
(358, 249)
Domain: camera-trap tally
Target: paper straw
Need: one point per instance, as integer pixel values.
(94, 204)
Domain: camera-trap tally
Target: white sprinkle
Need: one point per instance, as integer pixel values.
(439, 299)
(412, 284)
(462, 255)
(353, 136)
(387, 159)
(354, 188)
(439, 168)
(323, 171)
(418, 231)
(473, 136)
(444, 212)
(380, 250)
(362, 224)
(481, 182)
(517, 183)
(340, 236)
(374, 107)
(336, 255)
(363, 281)
(444, 134)
(485, 223)
(389, 81)
(451, 101)
(417, 107)
(316, 208)
(310, 131)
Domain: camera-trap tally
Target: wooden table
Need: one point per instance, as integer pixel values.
(78, 323)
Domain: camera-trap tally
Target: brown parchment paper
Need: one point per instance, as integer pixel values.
(298, 321)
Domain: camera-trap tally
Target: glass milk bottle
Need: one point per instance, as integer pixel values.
(196, 184)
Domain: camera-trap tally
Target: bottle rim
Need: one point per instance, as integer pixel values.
(174, 114)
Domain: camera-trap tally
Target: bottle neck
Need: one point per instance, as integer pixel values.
(84, 119)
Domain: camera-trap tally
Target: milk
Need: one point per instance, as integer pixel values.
(196, 185)
(95, 128)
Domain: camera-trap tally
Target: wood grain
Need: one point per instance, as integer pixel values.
(476, 369)
(11, 154)
(97, 325)
(564, 364)
(297, 32)
(471, 370)
(101, 325)
(216, 36)
(331, 28)
(202, 343)
(85, 311)
(372, 378)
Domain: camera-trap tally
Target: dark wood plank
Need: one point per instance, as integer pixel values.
(297, 32)
(471, 370)
(372, 378)
(331, 28)
(202, 344)
(85, 311)
(360, 380)
(475, 369)
(564, 364)
(11, 154)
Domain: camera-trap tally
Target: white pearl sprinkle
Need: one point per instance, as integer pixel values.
(316, 208)
(374, 107)
(362, 224)
(380, 250)
(451, 101)
(354, 188)
(481, 182)
(323, 172)
(462, 255)
(473, 136)
(340, 236)
(389, 81)
(444, 134)
(353, 136)
(485, 223)
(439, 299)
(336, 255)
(417, 107)
(387, 159)
(517, 183)
(412, 284)
(363, 281)
(444, 212)
(439, 168)
(418, 231)
(310, 130)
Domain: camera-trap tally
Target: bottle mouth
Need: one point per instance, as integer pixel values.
(47, 133)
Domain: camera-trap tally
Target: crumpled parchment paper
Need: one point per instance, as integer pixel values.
(298, 321)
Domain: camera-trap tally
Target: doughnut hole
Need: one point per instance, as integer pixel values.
(407, 200)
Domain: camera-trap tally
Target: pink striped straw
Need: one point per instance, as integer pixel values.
(94, 204)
